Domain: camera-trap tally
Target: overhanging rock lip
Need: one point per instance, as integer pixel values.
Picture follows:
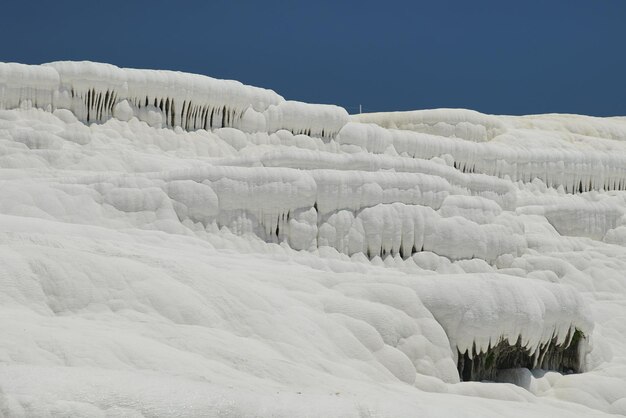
(481, 311)
(565, 358)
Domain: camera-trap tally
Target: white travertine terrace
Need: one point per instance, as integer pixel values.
(96, 92)
(158, 226)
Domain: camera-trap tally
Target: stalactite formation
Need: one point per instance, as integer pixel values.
(564, 358)
(192, 102)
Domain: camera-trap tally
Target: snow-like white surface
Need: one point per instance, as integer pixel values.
(176, 245)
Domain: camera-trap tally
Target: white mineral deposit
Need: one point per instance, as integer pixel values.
(176, 245)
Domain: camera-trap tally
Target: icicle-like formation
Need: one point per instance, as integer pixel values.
(483, 312)
(564, 357)
(577, 162)
(377, 214)
(404, 230)
(97, 92)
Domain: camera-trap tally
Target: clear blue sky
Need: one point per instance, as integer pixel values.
(506, 57)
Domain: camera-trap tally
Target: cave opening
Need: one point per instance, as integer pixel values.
(563, 358)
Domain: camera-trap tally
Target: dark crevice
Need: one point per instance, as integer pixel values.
(564, 358)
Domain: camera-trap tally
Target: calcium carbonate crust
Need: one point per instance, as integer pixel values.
(230, 240)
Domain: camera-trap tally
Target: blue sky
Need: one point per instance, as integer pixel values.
(505, 57)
